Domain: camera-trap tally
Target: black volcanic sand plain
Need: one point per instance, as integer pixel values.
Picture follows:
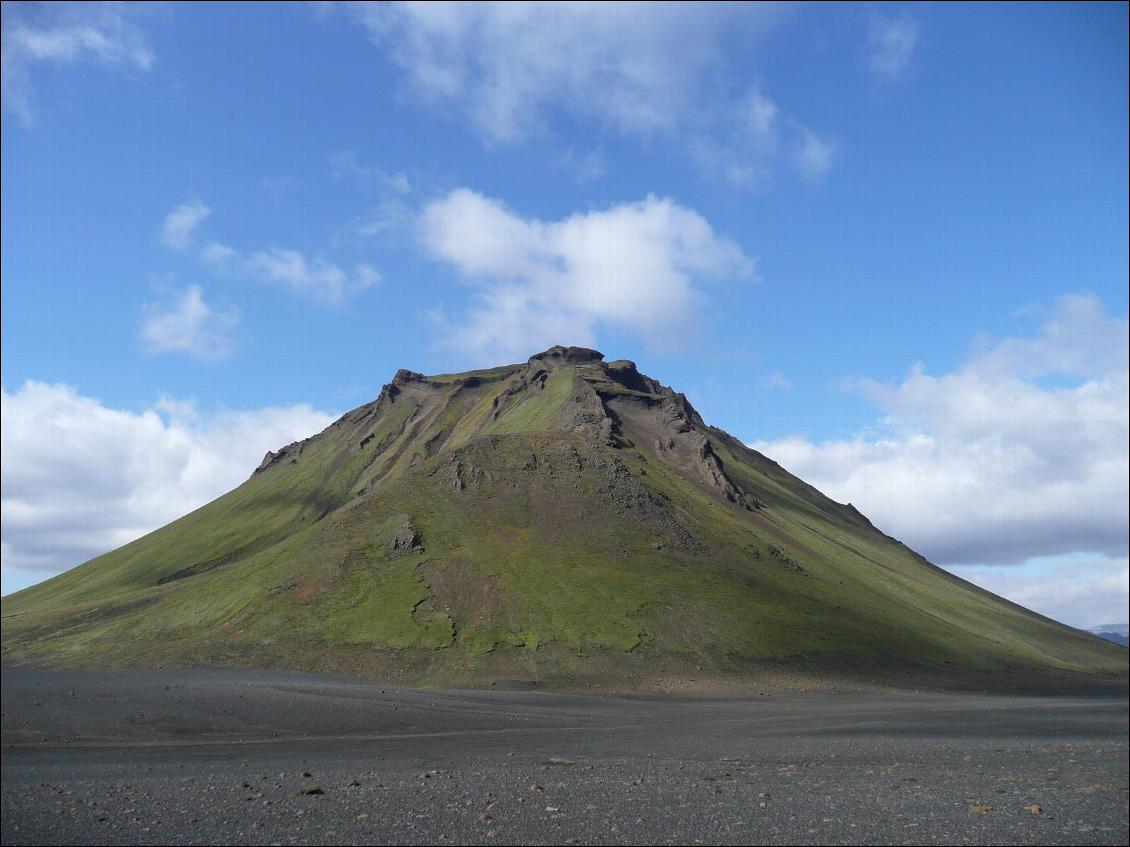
(260, 757)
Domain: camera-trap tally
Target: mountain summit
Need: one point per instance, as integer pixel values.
(564, 521)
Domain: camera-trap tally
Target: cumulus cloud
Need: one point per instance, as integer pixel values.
(891, 39)
(512, 70)
(181, 222)
(80, 478)
(188, 325)
(37, 34)
(1021, 452)
(634, 265)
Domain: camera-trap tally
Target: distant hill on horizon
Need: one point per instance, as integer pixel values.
(562, 522)
(1116, 633)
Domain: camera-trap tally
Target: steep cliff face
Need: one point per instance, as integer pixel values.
(561, 521)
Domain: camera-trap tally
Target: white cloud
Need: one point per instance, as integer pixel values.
(1080, 590)
(217, 255)
(634, 265)
(1018, 458)
(729, 162)
(345, 165)
(80, 478)
(505, 64)
(316, 278)
(393, 212)
(1021, 452)
(391, 216)
(514, 70)
(891, 40)
(760, 118)
(814, 156)
(777, 380)
(754, 137)
(181, 222)
(65, 34)
(188, 325)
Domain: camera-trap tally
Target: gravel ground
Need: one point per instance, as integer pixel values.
(253, 757)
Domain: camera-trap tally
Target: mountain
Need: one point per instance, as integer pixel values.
(565, 522)
(1114, 638)
(1116, 633)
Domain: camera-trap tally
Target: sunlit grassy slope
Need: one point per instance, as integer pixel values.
(565, 521)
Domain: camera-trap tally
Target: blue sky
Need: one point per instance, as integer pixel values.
(887, 244)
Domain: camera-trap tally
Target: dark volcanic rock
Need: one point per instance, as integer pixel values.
(407, 540)
(558, 355)
(290, 453)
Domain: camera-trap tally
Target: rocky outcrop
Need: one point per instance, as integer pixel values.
(465, 476)
(404, 377)
(785, 558)
(389, 393)
(610, 404)
(463, 470)
(558, 355)
(288, 454)
(407, 539)
(532, 379)
(667, 425)
(585, 414)
(624, 373)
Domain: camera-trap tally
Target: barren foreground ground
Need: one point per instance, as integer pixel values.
(222, 756)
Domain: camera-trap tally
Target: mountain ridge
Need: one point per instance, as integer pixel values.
(563, 521)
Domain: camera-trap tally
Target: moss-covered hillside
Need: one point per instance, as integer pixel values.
(566, 521)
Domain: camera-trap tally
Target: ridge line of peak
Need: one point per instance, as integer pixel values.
(568, 355)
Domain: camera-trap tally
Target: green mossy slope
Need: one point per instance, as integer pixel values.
(563, 522)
